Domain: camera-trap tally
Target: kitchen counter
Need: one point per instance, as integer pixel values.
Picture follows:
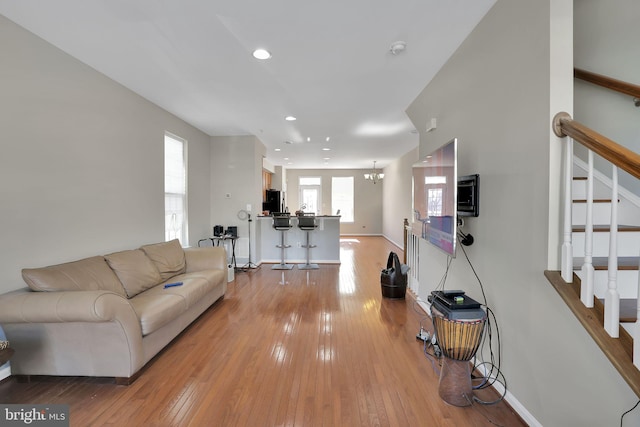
(326, 238)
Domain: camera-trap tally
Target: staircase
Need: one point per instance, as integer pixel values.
(628, 240)
(602, 295)
(620, 351)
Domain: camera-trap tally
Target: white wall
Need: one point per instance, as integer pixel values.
(496, 95)
(81, 170)
(367, 198)
(397, 197)
(606, 43)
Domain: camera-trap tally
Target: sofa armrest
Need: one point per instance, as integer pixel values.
(25, 306)
(77, 333)
(206, 258)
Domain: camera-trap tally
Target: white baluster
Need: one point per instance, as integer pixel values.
(412, 260)
(586, 288)
(636, 335)
(567, 251)
(416, 261)
(612, 297)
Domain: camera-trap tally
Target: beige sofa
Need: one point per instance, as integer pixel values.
(107, 316)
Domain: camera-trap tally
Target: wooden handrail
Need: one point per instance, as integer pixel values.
(608, 82)
(622, 157)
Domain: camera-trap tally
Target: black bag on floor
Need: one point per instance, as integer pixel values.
(393, 279)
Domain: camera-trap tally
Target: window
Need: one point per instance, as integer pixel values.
(434, 204)
(310, 188)
(342, 197)
(175, 189)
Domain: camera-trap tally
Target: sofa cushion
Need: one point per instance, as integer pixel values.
(159, 305)
(155, 309)
(195, 286)
(135, 270)
(87, 274)
(168, 258)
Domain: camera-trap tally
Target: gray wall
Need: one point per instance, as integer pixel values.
(497, 94)
(606, 43)
(236, 171)
(368, 198)
(81, 170)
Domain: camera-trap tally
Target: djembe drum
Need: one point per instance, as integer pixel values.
(459, 340)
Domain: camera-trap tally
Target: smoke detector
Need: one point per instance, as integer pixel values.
(398, 47)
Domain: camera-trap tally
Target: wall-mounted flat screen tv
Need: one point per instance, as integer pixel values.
(435, 197)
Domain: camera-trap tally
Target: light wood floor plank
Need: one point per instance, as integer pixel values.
(284, 348)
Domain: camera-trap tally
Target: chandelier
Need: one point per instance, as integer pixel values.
(374, 175)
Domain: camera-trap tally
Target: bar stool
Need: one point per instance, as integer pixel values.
(307, 223)
(282, 223)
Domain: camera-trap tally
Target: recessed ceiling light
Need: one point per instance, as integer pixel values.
(326, 149)
(328, 138)
(277, 149)
(326, 158)
(261, 54)
(290, 118)
(308, 139)
(286, 158)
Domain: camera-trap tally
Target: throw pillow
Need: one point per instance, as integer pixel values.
(135, 270)
(87, 274)
(168, 258)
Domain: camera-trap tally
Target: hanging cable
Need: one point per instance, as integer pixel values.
(634, 407)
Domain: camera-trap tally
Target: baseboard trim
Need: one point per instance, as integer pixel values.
(401, 247)
(5, 372)
(513, 401)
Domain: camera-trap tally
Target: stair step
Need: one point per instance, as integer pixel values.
(628, 240)
(594, 201)
(579, 188)
(628, 309)
(601, 212)
(602, 263)
(607, 228)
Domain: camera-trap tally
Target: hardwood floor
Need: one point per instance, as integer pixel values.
(284, 348)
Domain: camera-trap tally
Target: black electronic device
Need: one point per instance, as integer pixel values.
(459, 308)
(272, 201)
(455, 300)
(452, 293)
(468, 201)
(218, 231)
(232, 231)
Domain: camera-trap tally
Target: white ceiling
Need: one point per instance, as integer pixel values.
(331, 67)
